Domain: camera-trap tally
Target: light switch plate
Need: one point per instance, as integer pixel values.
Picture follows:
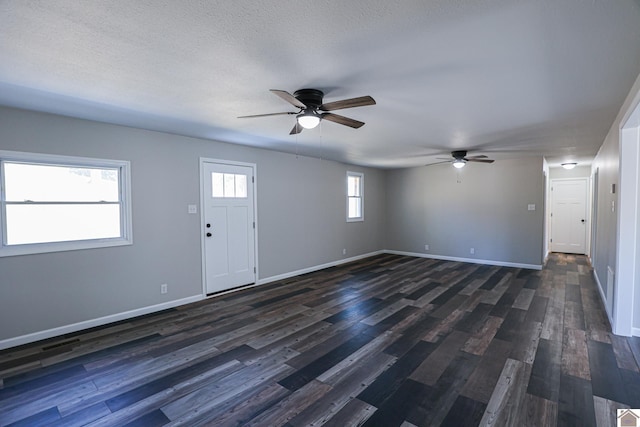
(193, 209)
(531, 207)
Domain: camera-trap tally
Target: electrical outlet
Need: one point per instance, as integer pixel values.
(344, 252)
(163, 288)
(472, 251)
(426, 247)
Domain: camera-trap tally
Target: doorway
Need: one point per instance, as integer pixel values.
(569, 215)
(228, 224)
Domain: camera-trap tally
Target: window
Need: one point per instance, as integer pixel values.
(354, 196)
(229, 185)
(57, 203)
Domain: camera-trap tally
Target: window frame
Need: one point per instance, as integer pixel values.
(124, 168)
(359, 175)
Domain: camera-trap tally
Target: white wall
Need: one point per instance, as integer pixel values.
(480, 206)
(607, 228)
(301, 222)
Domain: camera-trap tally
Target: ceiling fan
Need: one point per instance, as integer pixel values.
(312, 109)
(459, 159)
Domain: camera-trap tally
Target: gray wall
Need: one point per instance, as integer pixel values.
(605, 238)
(301, 222)
(480, 206)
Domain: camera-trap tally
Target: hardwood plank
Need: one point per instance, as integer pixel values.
(553, 324)
(539, 412)
(573, 315)
(523, 301)
(631, 381)
(286, 409)
(575, 356)
(343, 391)
(546, 370)
(446, 390)
(480, 341)
(433, 366)
(44, 417)
(391, 379)
(483, 380)
(526, 343)
(507, 399)
(409, 396)
(472, 322)
(623, 353)
(238, 413)
(324, 363)
(354, 413)
(82, 417)
(605, 411)
(605, 375)
(464, 412)
(575, 402)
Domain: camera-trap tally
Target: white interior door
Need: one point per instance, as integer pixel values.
(569, 215)
(228, 226)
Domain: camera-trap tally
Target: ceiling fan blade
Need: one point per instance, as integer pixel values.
(289, 98)
(480, 160)
(296, 129)
(438, 163)
(444, 158)
(348, 103)
(342, 120)
(265, 115)
(480, 156)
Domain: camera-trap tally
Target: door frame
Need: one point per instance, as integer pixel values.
(587, 208)
(203, 259)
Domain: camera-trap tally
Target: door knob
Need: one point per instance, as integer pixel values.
(582, 221)
(208, 234)
(208, 225)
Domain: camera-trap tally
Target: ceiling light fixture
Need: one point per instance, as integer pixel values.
(308, 120)
(569, 165)
(458, 163)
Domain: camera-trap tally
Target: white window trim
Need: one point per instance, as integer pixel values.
(361, 176)
(37, 248)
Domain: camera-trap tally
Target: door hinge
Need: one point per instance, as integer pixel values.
(253, 179)
(551, 213)
(254, 270)
(254, 225)
(551, 240)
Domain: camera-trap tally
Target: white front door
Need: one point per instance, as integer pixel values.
(228, 225)
(569, 215)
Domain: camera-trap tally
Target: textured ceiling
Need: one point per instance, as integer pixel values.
(504, 78)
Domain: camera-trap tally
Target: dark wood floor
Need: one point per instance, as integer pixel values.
(386, 341)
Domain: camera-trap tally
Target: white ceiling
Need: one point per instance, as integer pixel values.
(505, 78)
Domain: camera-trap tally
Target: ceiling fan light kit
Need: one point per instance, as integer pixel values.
(569, 165)
(308, 119)
(309, 101)
(458, 164)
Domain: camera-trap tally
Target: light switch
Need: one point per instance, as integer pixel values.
(531, 207)
(193, 209)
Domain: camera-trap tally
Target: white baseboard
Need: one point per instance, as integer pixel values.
(469, 260)
(315, 268)
(602, 296)
(67, 329)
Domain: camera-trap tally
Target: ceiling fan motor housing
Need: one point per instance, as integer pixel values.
(312, 98)
(459, 155)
